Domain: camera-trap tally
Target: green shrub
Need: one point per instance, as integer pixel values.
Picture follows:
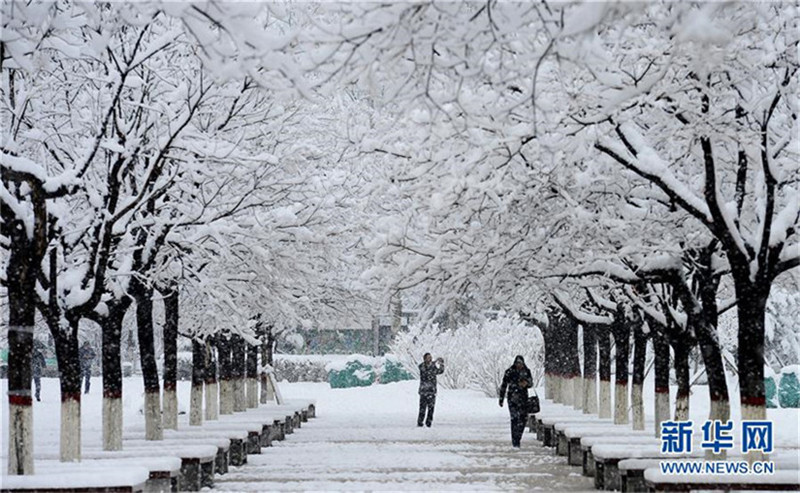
(354, 374)
(789, 390)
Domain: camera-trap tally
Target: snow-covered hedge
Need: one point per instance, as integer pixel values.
(301, 368)
(475, 355)
(789, 388)
(358, 370)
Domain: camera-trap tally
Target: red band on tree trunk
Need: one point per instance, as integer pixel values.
(170, 385)
(70, 396)
(20, 400)
(112, 394)
(662, 390)
(753, 401)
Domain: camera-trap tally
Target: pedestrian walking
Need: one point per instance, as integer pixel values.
(87, 356)
(516, 382)
(428, 371)
(37, 367)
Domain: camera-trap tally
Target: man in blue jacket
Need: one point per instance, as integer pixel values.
(428, 370)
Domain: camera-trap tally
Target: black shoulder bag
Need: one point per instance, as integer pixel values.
(533, 403)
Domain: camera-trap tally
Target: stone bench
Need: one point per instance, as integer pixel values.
(571, 434)
(197, 458)
(547, 426)
(163, 471)
(787, 480)
(77, 477)
(229, 443)
(607, 457)
(590, 428)
(588, 444)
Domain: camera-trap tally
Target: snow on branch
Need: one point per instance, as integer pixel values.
(637, 156)
(579, 315)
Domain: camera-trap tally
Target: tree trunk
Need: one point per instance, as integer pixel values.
(21, 315)
(573, 363)
(147, 357)
(751, 309)
(69, 366)
(589, 403)
(681, 350)
(622, 348)
(225, 384)
(604, 371)
(111, 326)
(661, 363)
(171, 316)
(550, 355)
(267, 349)
(238, 354)
(639, 353)
(212, 386)
(23, 260)
(198, 369)
(252, 376)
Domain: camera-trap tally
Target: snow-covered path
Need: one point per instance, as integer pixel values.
(367, 439)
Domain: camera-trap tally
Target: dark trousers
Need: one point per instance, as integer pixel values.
(37, 383)
(518, 418)
(87, 376)
(426, 404)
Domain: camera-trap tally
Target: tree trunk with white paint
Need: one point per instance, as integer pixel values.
(70, 429)
(20, 436)
(225, 383)
(637, 381)
(23, 257)
(69, 366)
(111, 326)
(238, 372)
(267, 347)
(147, 357)
(621, 331)
(198, 370)
(171, 316)
(252, 376)
(661, 368)
(152, 416)
(212, 387)
(589, 397)
(567, 391)
(682, 378)
(604, 372)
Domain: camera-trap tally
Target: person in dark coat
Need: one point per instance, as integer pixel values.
(428, 370)
(37, 367)
(516, 382)
(87, 356)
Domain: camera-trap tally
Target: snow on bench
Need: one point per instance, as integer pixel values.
(164, 471)
(547, 426)
(197, 458)
(588, 443)
(222, 440)
(631, 471)
(786, 480)
(572, 434)
(78, 477)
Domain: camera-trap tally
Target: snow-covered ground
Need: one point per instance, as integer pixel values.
(366, 439)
